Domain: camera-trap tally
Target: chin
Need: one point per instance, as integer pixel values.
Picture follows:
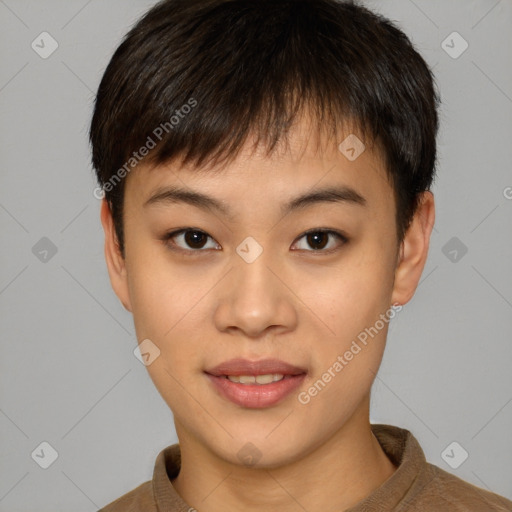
(253, 449)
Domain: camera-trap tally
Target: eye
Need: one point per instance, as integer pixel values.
(191, 241)
(194, 239)
(318, 239)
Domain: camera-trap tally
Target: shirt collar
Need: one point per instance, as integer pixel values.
(404, 451)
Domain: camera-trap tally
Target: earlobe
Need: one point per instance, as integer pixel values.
(116, 264)
(414, 250)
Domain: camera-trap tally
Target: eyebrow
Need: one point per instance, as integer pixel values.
(334, 194)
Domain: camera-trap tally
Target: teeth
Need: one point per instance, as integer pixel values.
(256, 379)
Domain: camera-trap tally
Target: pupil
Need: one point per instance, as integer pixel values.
(313, 240)
(191, 237)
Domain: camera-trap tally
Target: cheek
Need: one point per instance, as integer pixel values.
(167, 310)
(157, 292)
(162, 300)
(351, 296)
(345, 362)
(351, 303)
(171, 306)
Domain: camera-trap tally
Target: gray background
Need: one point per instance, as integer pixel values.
(68, 373)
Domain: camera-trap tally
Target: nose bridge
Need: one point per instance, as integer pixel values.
(253, 280)
(253, 297)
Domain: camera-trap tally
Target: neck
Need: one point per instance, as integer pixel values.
(333, 477)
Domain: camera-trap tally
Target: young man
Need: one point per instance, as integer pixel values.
(266, 168)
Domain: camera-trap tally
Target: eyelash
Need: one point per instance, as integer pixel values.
(194, 252)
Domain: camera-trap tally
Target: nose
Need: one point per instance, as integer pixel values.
(255, 298)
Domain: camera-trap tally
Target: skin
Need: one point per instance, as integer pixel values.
(293, 302)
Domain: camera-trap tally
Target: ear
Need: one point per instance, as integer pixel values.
(414, 250)
(116, 264)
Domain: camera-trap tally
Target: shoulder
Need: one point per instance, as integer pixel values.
(137, 500)
(443, 491)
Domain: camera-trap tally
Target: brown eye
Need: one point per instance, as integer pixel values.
(189, 240)
(195, 239)
(318, 240)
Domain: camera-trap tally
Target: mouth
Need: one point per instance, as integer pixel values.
(255, 384)
(256, 379)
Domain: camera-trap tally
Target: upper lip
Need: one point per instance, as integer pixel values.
(241, 366)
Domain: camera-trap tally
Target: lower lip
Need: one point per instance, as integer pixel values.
(256, 396)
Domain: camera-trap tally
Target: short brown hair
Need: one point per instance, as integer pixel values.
(250, 67)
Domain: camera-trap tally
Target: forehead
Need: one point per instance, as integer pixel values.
(304, 161)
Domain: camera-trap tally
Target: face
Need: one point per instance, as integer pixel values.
(263, 275)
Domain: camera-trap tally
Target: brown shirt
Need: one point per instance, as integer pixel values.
(416, 485)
